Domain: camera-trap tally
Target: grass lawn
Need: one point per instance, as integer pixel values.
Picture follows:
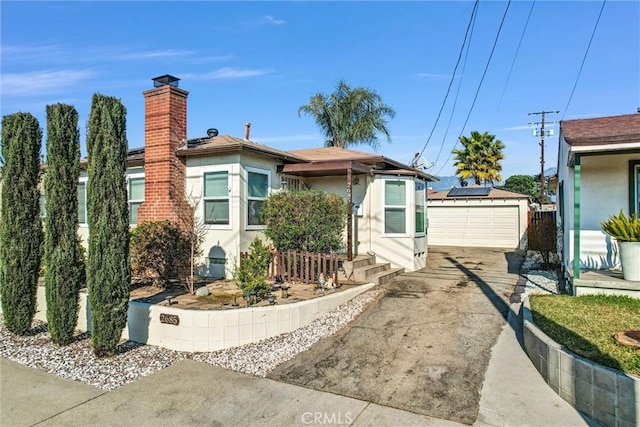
(586, 324)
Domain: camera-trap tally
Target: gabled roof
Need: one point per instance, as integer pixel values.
(335, 153)
(494, 193)
(330, 160)
(379, 164)
(226, 144)
(610, 131)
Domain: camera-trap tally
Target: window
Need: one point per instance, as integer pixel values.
(395, 207)
(420, 198)
(257, 192)
(136, 197)
(82, 205)
(216, 198)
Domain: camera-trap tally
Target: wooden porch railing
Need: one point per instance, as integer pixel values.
(301, 266)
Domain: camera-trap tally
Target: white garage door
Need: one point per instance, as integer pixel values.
(490, 226)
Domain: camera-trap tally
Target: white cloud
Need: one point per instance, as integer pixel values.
(228, 73)
(433, 76)
(521, 127)
(219, 58)
(168, 53)
(38, 83)
(268, 19)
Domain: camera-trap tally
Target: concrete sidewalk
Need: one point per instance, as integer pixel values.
(193, 393)
(514, 393)
(187, 393)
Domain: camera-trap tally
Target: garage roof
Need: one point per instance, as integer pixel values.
(492, 193)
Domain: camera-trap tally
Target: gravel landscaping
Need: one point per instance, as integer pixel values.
(134, 361)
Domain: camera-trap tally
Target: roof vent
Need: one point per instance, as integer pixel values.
(213, 132)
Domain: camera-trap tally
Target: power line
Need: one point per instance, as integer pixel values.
(583, 60)
(479, 85)
(455, 101)
(543, 133)
(453, 76)
(506, 83)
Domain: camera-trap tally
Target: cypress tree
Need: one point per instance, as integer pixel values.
(108, 271)
(20, 224)
(63, 273)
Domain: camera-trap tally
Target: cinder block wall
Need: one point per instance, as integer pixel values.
(606, 395)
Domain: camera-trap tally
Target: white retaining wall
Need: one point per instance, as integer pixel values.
(210, 330)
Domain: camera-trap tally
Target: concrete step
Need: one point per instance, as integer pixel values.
(362, 274)
(363, 261)
(385, 276)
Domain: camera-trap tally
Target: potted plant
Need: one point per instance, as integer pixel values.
(626, 230)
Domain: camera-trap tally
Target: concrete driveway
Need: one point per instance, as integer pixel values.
(425, 345)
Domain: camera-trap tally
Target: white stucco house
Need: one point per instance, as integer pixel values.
(598, 175)
(478, 216)
(231, 178)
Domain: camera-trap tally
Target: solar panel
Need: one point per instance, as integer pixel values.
(469, 191)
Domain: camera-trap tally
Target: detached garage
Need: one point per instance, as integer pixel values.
(477, 216)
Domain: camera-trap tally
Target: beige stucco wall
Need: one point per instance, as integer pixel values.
(407, 251)
(235, 238)
(604, 190)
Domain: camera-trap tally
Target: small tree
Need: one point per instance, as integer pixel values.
(307, 220)
(20, 227)
(62, 253)
(251, 275)
(108, 269)
(159, 251)
(523, 184)
(196, 232)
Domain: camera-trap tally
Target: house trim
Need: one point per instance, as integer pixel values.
(634, 169)
(576, 217)
(248, 170)
(203, 172)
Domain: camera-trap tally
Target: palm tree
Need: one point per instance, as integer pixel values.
(349, 116)
(479, 158)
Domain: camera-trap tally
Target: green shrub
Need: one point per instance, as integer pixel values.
(62, 253)
(307, 220)
(160, 251)
(251, 275)
(108, 269)
(21, 226)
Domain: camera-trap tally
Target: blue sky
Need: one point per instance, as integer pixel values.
(259, 61)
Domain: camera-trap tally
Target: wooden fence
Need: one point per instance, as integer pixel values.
(542, 232)
(301, 266)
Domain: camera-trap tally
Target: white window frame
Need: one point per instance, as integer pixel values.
(129, 200)
(248, 170)
(408, 188)
(203, 199)
(424, 206)
(84, 180)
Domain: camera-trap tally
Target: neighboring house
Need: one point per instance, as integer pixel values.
(598, 175)
(478, 216)
(232, 177)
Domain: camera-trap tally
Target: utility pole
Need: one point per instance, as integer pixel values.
(542, 132)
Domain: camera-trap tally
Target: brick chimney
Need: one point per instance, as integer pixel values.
(165, 126)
